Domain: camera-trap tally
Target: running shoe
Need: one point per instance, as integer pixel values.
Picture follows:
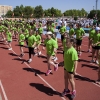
(73, 94)
(30, 60)
(65, 92)
(48, 72)
(10, 49)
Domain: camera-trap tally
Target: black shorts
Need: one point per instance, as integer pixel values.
(78, 42)
(69, 72)
(9, 41)
(96, 47)
(62, 37)
(21, 45)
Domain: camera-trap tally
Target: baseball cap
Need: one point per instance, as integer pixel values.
(49, 32)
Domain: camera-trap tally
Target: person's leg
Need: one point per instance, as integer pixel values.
(29, 52)
(9, 44)
(72, 82)
(52, 63)
(93, 54)
(48, 64)
(66, 81)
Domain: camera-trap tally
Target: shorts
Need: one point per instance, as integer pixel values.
(62, 37)
(78, 42)
(96, 47)
(69, 72)
(21, 45)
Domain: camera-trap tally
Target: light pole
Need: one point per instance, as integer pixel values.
(96, 6)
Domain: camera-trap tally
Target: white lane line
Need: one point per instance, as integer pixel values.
(0, 97)
(39, 76)
(4, 93)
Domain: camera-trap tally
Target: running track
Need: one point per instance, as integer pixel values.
(20, 82)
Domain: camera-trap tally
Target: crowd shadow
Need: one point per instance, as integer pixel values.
(36, 71)
(12, 54)
(4, 48)
(21, 60)
(89, 66)
(44, 89)
(83, 60)
(78, 77)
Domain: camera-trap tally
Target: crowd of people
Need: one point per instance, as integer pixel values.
(30, 34)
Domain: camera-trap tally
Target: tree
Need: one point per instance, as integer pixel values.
(9, 14)
(28, 11)
(92, 14)
(38, 11)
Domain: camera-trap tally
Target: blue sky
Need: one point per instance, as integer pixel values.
(63, 5)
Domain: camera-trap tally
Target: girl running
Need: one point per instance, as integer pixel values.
(9, 38)
(21, 42)
(91, 33)
(38, 38)
(51, 48)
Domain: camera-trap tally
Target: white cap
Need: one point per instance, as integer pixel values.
(97, 28)
(49, 32)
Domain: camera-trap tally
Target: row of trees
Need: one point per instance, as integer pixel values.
(38, 12)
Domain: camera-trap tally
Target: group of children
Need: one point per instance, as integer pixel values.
(31, 33)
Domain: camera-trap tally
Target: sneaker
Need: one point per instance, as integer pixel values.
(30, 60)
(48, 72)
(55, 59)
(89, 50)
(10, 49)
(56, 67)
(92, 61)
(97, 62)
(73, 95)
(21, 55)
(65, 92)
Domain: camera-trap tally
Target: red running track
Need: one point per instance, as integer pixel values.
(21, 83)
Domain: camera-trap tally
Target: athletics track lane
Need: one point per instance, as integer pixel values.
(84, 85)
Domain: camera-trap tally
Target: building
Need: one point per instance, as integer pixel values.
(4, 9)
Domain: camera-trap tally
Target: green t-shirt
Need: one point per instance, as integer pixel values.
(40, 30)
(38, 38)
(71, 32)
(9, 36)
(91, 33)
(79, 32)
(52, 29)
(56, 41)
(26, 33)
(21, 39)
(50, 45)
(31, 40)
(96, 38)
(62, 30)
(70, 55)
